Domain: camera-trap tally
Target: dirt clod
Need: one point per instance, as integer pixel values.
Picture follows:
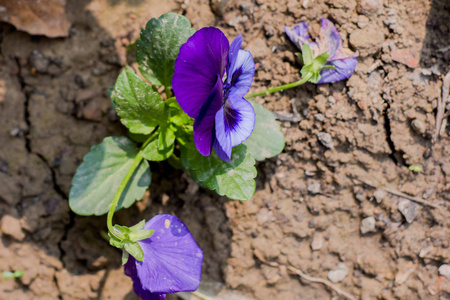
(11, 226)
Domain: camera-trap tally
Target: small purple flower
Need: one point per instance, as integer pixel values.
(172, 260)
(223, 118)
(344, 60)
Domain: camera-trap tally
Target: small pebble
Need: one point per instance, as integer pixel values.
(338, 274)
(39, 61)
(325, 139)
(314, 187)
(408, 209)
(317, 242)
(418, 126)
(379, 195)
(444, 270)
(319, 117)
(368, 225)
(428, 192)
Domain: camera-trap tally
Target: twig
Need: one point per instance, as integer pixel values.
(287, 117)
(325, 282)
(441, 105)
(200, 295)
(400, 194)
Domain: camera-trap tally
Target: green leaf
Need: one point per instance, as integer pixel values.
(162, 147)
(138, 226)
(321, 60)
(11, 275)
(125, 256)
(135, 250)
(99, 176)
(234, 179)
(159, 46)
(139, 107)
(307, 55)
(267, 140)
(141, 234)
(8, 275)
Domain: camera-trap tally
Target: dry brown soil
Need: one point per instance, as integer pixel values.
(311, 200)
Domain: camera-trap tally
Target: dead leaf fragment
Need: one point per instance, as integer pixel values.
(36, 16)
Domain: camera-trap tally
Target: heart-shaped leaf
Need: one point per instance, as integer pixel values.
(97, 179)
(139, 107)
(234, 179)
(267, 140)
(159, 46)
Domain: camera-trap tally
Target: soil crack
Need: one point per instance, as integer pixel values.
(396, 156)
(27, 93)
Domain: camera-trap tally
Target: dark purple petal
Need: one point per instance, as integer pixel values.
(172, 259)
(241, 75)
(204, 123)
(298, 34)
(235, 122)
(232, 56)
(344, 69)
(130, 270)
(201, 60)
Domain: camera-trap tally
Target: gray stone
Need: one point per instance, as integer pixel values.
(368, 225)
(379, 195)
(338, 274)
(408, 209)
(444, 270)
(317, 242)
(325, 139)
(314, 187)
(39, 61)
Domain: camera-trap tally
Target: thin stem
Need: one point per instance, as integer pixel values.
(137, 160)
(280, 88)
(167, 91)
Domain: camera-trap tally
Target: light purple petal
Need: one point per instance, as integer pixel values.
(234, 124)
(345, 68)
(232, 57)
(130, 270)
(201, 59)
(298, 34)
(241, 76)
(328, 40)
(204, 123)
(172, 258)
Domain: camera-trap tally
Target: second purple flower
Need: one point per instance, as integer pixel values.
(223, 118)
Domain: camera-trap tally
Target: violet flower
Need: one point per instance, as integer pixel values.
(223, 118)
(343, 59)
(172, 260)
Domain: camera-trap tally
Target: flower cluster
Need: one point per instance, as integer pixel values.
(341, 61)
(223, 118)
(172, 260)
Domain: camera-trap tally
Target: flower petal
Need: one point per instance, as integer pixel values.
(235, 122)
(328, 40)
(298, 34)
(130, 270)
(344, 69)
(235, 47)
(241, 76)
(172, 258)
(204, 123)
(201, 59)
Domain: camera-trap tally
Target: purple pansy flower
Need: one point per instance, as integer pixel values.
(172, 260)
(223, 118)
(344, 60)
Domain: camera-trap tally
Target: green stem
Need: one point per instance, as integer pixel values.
(280, 88)
(137, 160)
